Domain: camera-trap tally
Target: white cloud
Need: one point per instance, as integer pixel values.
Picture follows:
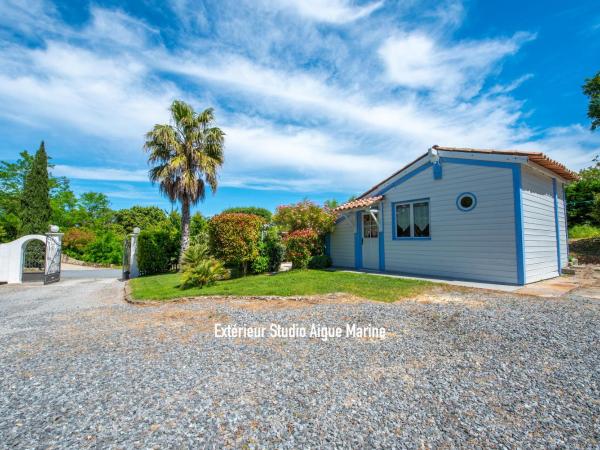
(99, 173)
(295, 128)
(417, 60)
(332, 11)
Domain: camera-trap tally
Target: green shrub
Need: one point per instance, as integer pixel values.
(274, 249)
(300, 245)
(194, 255)
(235, 238)
(106, 248)
(319, 262)
(583, 231)
(260, 264)
(158, 250)
(199, 269)
(205, 273)
(305, 215)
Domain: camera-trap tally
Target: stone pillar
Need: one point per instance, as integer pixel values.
(134, 271)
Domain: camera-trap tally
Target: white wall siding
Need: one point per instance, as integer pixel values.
(562, 223)
(342, 244)
(477, 244)
(539, 225)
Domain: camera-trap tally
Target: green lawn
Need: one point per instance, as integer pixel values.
(296, 282)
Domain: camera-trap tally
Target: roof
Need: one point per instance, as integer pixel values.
(359, 203)
(536, 157)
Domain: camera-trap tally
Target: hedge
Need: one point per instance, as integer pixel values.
(158, 250)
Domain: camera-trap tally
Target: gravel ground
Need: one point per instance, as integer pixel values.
(459, 368)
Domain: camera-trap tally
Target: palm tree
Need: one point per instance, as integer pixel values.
(185, 157)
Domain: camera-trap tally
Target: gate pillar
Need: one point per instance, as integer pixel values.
(134, 271)
(53, 255)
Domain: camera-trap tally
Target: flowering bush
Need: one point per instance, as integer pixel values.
(235, 238)
(76, 240)
(300, 245)
(305, 215)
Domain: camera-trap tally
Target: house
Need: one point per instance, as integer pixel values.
(460, 213)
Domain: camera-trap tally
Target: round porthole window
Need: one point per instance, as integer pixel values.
(466, 201)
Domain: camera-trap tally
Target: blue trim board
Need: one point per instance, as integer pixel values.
(437, 171)
(381, 240)
(556, 224)
(403, 178)
(519, 236)
(460, 196)
(358, 241)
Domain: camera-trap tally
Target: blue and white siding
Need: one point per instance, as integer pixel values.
(544, 225)
(341, 244)
(516, 234)
(478, 244)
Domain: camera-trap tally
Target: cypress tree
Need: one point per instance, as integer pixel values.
(35, 203)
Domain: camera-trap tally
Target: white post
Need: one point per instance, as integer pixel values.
(134, 271)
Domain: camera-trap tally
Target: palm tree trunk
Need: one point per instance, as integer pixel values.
(185, 226)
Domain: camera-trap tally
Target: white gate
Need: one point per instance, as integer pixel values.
(53, 256)
(12, 257)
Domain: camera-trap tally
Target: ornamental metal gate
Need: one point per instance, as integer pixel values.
(126, 258)
(53, 257)
(34, 255)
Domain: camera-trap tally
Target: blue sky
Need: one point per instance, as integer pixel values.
(319, 98)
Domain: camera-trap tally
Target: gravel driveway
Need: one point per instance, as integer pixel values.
(80, 368)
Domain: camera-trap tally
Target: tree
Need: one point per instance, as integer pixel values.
(95, 204)
(144, 217)
(35, 202)
(12, 179)
(235, 238)
(591, 88)
(62, 202)
(331, 204)
(261, 212)
(582, 197)
(185, 157)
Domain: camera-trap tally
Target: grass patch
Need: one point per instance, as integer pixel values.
(296, 282)
(584, 232)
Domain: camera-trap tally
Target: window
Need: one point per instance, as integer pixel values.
(411, 219)
(466, 201)
(370, 229)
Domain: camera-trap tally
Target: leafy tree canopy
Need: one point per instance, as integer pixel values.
(261, 212)
(583, 197)
(591, 88)
(144, 217)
